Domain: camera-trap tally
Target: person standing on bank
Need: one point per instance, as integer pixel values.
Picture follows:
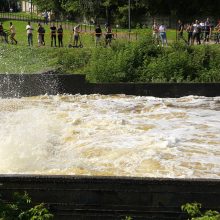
(29, 30)
(108, 36)
(60, 36)
(208, 30)
(196, 32)
(98, 34)
(41, 32)
(189, 30)
(1, 29)
(53, 35)
(155, 32)
(3, 35)
(43, 35)
(13, 32)
(163, 35)
(76, 32)
(217, 28)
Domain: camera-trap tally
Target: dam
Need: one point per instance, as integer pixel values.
(138, 150)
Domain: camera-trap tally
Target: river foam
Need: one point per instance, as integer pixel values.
(111, 136)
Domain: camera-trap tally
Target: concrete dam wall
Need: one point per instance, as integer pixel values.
(112, 198)
(14, 85)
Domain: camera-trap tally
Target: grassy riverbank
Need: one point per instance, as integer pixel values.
(136, 61)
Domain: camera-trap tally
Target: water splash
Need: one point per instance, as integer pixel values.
(111, 135)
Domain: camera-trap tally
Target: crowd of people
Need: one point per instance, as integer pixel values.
(4, 34)
(56, 33)
(197, 32)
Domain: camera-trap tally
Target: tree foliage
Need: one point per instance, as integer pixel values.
(117, 11)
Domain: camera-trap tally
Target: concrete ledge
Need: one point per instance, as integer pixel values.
(163, 90)
(14, 85)
(82, 197)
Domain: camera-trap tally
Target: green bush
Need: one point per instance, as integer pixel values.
(195, 213)
(21, 208)
(122, 63)
(144, 61)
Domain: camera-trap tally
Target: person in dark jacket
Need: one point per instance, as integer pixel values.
(53, 35)
(60, 36)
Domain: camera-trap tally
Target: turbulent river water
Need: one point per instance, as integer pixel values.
(111, 136)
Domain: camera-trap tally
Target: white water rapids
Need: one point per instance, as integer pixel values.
(111, 136)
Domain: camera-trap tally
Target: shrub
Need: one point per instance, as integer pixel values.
(72, 61)
(144, 61)
(122, 63)
(195, 213)
(21, 208)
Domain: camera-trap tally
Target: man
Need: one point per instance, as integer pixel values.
(217, 29)
(76, 32)
(208, 30)
(41, 32)
(189, 30)
(108, 36)
(60, 36)
(30, 29)
(180, 30)
(3, 35)
(13, 32)
(196, 32)
(98, 34)
(155, 30)
(1, 30)
(53, 35)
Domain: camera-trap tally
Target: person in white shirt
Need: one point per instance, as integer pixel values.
(30, 29)
(13, 32)
(76, 32)
(163, 35)
(196, 32)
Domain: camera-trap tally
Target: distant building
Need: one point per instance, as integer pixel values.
(27, 6)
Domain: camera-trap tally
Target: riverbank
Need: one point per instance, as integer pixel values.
(137, 61)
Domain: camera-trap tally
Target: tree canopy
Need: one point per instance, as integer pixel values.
(117, 10)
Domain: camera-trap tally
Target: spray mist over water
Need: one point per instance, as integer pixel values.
(111, 135)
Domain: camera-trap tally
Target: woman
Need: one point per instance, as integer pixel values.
(13, 32)
(163, 35)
